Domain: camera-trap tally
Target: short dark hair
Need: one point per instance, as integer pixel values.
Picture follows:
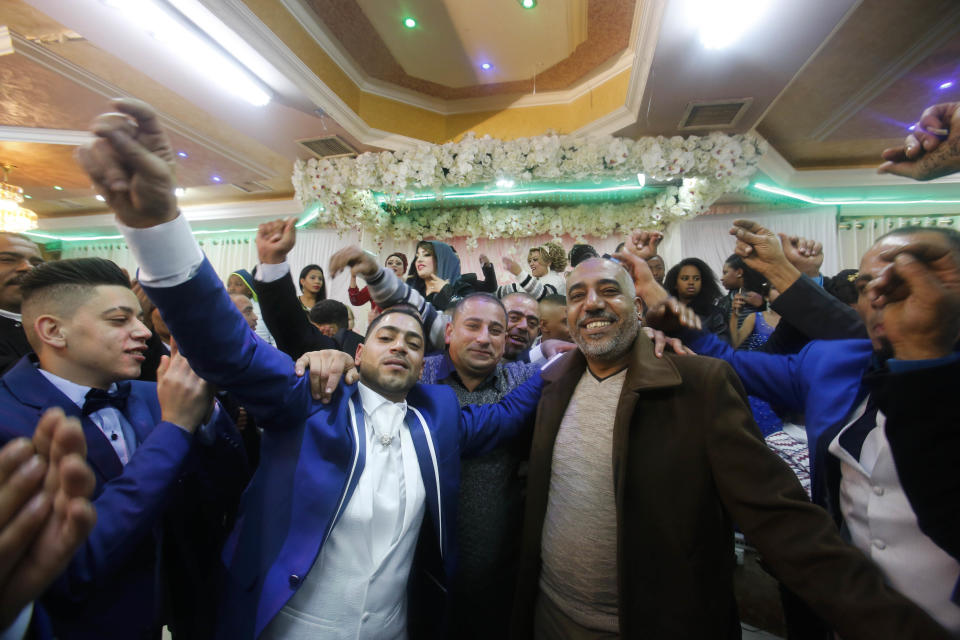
(405, 309)
(555, 298)
(75, 273)
(843, 286)
(752, 279)
(477, 295)
(581, 252)
(330, 312)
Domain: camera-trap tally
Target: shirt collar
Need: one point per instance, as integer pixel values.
(76, 392)
(371, 400)
(10, 314)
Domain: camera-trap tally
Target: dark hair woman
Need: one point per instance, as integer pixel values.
(694, 284)
(313, 286)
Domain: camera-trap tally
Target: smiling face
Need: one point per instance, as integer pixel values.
(538, 266)
(688, 283)
(312, 282)
(426, 262)
(523, 323)
(601, 309)
(395, 264)
(476, 336)
(17, 257)
(391, 358)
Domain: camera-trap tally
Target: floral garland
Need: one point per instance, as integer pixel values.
(708, 166)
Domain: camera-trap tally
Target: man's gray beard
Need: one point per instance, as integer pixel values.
(616, 347)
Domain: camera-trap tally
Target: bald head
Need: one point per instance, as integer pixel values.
(245, 306)
(602, 309)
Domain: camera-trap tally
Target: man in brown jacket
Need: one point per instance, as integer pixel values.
(639, 467)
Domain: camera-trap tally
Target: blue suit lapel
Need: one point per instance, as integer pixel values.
(139, 416)
(426, 447)
(34, 390)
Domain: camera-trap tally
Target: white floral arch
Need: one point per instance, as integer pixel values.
(707, 166)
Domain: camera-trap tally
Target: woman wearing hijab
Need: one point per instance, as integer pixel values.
(240, 281)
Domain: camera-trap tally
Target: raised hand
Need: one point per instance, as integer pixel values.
(356, 259)
(275, 240)
(484, 260)
(45, 511)
(130, 163)
(512, 266)
(919, 292)
(671, 315)
(932, 150)
(646, 287)
(327, 367)
(643, 244)
(185, 398)
(661, 340)
(762, 250)
(805, 254)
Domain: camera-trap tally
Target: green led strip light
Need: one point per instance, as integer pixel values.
(306, 218)
(799, 196)
(510, 193)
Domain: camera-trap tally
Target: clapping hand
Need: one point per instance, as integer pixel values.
(275, 240)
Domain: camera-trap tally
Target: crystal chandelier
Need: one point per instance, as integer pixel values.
(13, 217)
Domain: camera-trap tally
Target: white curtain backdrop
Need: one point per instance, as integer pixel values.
(708, 238)
(856, 235)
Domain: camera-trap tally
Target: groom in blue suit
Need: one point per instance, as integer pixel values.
(349, 521)
(143, 444)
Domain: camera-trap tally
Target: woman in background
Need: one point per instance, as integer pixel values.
(693, 283)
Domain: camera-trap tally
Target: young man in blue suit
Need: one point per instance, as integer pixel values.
(348, 494)
(82, 320)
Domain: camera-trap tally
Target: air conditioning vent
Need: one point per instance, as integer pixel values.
(328, 147)
(251, 187)
(715, 114)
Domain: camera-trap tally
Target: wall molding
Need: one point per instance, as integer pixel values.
(44, 136)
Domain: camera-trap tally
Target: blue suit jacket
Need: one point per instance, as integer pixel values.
(312, 457)
(824, 381)
(109, 588)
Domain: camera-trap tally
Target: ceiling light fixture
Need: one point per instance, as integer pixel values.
(58, 187)
(409, 23)
(505, 183)
(528, 4)
(486, 66)
(912, 127)
(723, 22)
(13, 217)
(947, 84)
(641, 179)
(179, 192)
(216, 178)
(185, 39)
(100, 198)
(183, 154)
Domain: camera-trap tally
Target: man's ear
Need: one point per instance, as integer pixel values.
(447, 332)
(50, 331)
(356, 357)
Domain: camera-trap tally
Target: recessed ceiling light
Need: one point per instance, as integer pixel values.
(183, 154)
(100, 198)
(28, 197)
(912, 127)
(409, 23)
(947, 84)
(528, 4)
(179, 191)
(216, 178)
(58, 187)
(723, 22)
(486, 66)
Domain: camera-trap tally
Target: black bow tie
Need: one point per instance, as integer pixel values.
(97, 399)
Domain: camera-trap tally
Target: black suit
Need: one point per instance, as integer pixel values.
(13, 343)
(286, 320)
(808, 312)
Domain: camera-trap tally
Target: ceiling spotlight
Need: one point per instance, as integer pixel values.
(409, 23)
(947, 84)
(486, 66)
(179, 191)
(723, 22)
(216, 178)
(28, 197)
(183, 154)
(912, 127)
(100, 198)
(58, 187)
(528, 4)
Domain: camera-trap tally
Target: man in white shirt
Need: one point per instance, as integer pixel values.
(331, 522)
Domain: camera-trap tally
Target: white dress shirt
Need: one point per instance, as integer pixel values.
(109, 420)
(883, 525)
(357, 587)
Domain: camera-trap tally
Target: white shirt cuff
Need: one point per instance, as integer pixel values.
(536, 354)
(168, 254)
(272, 272)
(19, 627)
